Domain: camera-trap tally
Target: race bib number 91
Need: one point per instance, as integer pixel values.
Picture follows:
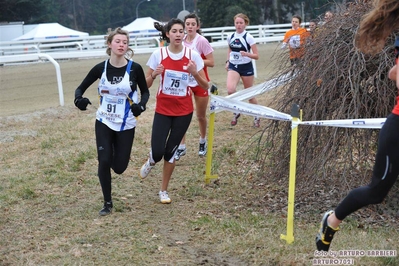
(113, 108)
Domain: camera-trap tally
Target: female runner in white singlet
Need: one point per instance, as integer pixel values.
(119, 105)
(239, 61)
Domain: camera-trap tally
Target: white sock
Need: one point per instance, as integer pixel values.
(202, 140)
(152, 162)
(182, 146)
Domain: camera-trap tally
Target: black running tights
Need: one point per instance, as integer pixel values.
(113, 150)
(385, 172)
(167, 132)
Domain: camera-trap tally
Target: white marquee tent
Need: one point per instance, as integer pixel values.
(141, 26)
(48, 31)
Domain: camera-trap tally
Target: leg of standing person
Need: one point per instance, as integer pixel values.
(233, 77)
(385, 173)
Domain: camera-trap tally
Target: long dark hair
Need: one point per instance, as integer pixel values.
(377, 25)
(166, 28)
(197, 19)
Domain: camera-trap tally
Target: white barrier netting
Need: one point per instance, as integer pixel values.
(349, 123)
(236, 106)
(234, 103)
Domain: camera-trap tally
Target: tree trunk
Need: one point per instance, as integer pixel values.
(276, 11)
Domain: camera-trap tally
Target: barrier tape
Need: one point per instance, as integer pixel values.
(236, 106)
(234, 103)
(219, 103)
(253, 91)
(349, 123)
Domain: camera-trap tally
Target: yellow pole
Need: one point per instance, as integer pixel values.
(208, 167)
(289, 237)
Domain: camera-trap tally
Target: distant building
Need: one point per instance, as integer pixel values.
(12, 30)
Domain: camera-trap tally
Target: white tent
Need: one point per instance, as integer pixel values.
(48, 31)
(141, 26)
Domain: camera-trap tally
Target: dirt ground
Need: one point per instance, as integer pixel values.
(27, 88)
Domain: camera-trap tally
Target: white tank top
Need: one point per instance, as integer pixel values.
(115, 101)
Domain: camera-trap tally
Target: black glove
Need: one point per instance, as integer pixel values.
(82, 103)
(214, 90)
(137, 109)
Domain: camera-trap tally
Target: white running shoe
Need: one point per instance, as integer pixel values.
(202, 149)
(180, 153)
(146, 169)
(164, 197)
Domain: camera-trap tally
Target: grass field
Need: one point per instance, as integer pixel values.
(50, 194)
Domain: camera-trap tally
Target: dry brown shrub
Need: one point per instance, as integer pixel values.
(334, 81)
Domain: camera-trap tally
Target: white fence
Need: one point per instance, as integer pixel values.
(262, 33)
(95, 45)
(87, 43)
